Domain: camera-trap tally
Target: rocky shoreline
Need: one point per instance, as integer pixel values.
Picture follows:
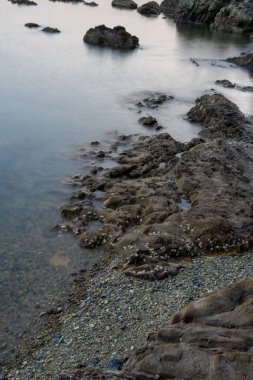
(201, 189)
(175, 223)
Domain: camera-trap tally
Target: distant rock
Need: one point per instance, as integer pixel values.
(90, 4)
(149, 9)
(68, 1)
(23, 2)
(48, 29)
(245, 60)
(127, 4)
(227, 15)
(31, 25)
(116, 38)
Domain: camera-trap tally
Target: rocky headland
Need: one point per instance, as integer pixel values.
(230, 15)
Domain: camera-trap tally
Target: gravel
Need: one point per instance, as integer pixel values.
(116, 312)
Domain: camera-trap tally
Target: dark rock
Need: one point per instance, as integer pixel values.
(90, 4)
(127, 4)
(154, 100)
(148, 121)
(23, 2)
(219, 115)
(117, 38)
(142, 215)
(48, 29)
(149, 9)
(211, 339)
(31, 25)
(245, 60)
(225, 83)
(226, 15)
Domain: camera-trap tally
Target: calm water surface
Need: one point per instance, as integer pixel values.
(58, 93)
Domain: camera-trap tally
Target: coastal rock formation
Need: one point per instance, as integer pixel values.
(117, 38)
(245, 60)
(211, 339)
(165, 199)
(128, 4)
(149, 9)
(229, 15)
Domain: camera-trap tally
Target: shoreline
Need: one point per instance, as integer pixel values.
(110, 313)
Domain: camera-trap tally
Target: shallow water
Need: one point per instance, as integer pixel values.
(58, 93)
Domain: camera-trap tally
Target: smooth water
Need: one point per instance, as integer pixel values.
(56, 95)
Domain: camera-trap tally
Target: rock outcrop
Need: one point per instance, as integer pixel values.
(211, 339)
(244, 60)
(124, 4)
(116, 38)
(165, 200)
(227, 15)
(149, 9)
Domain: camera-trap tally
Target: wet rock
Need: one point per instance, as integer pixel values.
(149, 9)
(23, 2)
(90, 4)
(154, 100)
(148, 121)
(128, 4)
(245, 60)
(48, 29)
(220, 116)
(31, 25)
(117, 38)
(229, 15)
(210, 339)
(225, 83)
(167, 200)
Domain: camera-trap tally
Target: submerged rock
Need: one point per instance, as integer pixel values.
(48, 29)
(149, 9)
(148, 121)
(117, 38)
(127, 4)
(228, 15)
(211, 339)
(245, 60)
(225, 83)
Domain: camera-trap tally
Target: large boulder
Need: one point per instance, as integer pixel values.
(211, 339)
(149, 9)
(245, 60)
(227, 15)
(117, 38)
(127, 4)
